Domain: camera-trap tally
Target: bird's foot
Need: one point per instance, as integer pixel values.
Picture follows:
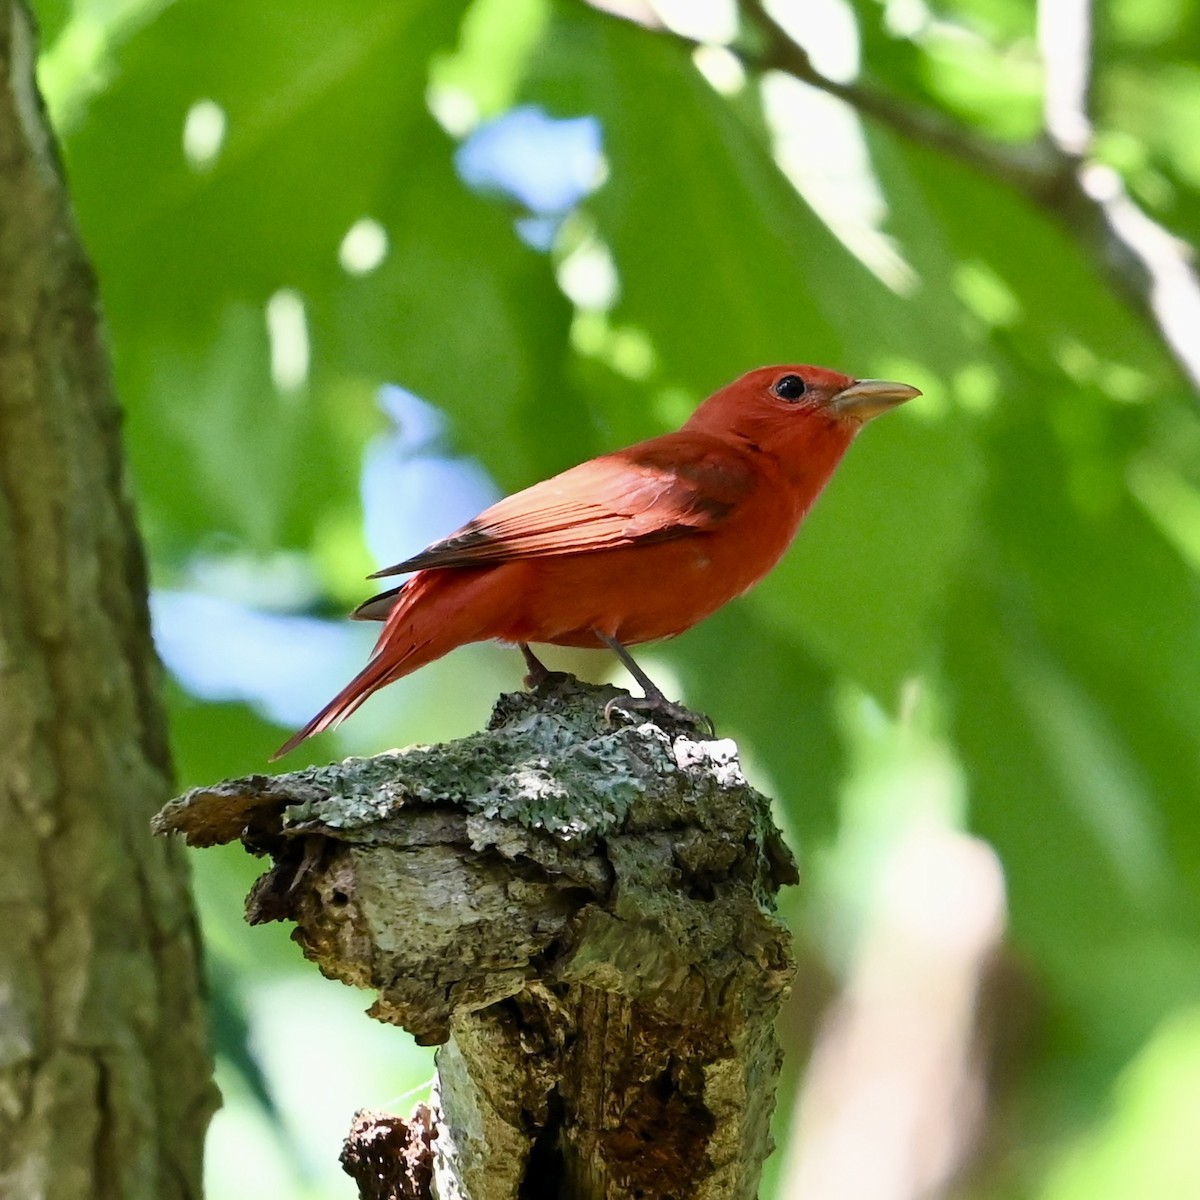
(540, 678)
(547, 681)
(655, 704)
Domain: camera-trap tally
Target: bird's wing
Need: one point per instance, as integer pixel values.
(669, 487)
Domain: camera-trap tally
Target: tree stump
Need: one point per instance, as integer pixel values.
(580, 914)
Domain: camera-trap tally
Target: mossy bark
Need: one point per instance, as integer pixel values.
(581, 914)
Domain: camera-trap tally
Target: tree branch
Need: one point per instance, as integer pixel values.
(582, 914)
(1027, 168)
(1153, 270)
(1065, 42)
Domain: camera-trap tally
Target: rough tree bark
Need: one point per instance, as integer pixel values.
(105, 1082)
(581, 913)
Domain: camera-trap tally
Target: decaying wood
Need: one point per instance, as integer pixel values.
(390, 1158)
(580, 913)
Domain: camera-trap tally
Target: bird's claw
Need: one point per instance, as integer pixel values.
(660, 706)
(546, 681)
(540, 678)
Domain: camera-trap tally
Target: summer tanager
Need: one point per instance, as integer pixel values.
(631, 546)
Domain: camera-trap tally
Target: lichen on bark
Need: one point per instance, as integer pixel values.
(581, 913)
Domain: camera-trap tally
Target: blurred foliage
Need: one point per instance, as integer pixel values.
(1019, 546)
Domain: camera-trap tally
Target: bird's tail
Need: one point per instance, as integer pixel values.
(370, 679)
(433, 612)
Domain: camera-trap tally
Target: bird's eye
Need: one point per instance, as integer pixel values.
(790, 387)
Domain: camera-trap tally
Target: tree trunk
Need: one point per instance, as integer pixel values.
(581, 914)
(105, 1081)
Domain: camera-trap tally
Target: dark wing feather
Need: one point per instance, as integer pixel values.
(668, 487)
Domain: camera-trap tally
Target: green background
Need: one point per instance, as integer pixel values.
(989, 623)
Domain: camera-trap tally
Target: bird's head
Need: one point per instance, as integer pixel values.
(775, 402)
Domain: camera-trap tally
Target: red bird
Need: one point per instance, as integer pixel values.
(631, 546)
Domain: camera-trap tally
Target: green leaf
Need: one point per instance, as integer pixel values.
(724, 267)
(329, 128)
(1069, 656)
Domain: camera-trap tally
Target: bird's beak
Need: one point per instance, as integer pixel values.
(867, 398)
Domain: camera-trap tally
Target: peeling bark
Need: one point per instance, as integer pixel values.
(105, 1084)
(389, 1158)
(581, 915)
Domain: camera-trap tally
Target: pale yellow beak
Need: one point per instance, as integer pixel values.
(867, 398)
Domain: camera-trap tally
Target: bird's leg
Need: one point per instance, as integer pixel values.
(653, 700)
(651, 689)
(540, 676)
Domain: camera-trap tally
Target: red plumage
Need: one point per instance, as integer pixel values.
(631, 546)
